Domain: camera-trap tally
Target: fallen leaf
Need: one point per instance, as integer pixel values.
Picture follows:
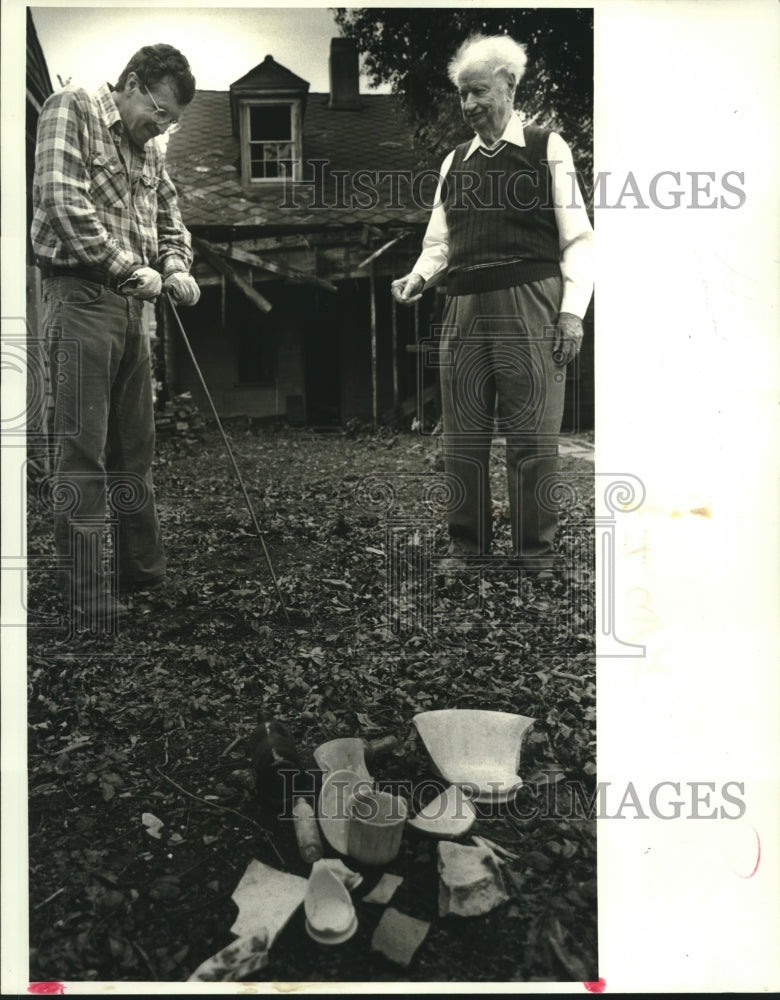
(166, 888)
(153, 825)
(538, 861)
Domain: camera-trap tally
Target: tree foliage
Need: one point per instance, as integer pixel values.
(409, 48)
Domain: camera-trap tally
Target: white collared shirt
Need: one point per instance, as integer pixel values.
(575, 233)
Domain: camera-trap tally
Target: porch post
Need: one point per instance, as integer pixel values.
(393, 307)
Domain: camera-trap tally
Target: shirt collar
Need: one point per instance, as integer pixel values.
(512, 133)
(108, 106)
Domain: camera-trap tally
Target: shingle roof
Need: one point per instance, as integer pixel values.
(269, 73)
(203, 160)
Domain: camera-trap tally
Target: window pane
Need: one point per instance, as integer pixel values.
(271, 160)
(270, 122)
(257, 165)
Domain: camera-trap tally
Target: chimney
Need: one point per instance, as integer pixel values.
(344, 90)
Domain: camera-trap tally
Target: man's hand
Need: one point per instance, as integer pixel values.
(183, 288)
(145, 283)
(407, 289)
(568, 338)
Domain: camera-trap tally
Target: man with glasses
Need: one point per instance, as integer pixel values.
(163, 118)
(108, 236)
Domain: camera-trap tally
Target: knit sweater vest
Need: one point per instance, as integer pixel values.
(500, 216)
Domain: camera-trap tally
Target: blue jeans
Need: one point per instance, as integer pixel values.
(498, 374)
(103, 435)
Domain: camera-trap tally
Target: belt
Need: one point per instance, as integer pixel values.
(93, 274)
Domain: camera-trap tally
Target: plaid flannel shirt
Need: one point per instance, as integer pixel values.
(85, 209)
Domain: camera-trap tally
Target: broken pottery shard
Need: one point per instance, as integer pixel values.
(384, 890)
(242, 958)
(469, 881)
(345, 754)
(448, 815)
(266, 899)
(350, 879)
(328, 906)
(336, 790)
(474, 748)
(398, 937)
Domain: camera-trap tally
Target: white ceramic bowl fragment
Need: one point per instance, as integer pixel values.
(449, 815)
(476, 749)
(330, 915)
(336, 791)
(344, 754)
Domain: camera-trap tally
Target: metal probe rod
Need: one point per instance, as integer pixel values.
(230, 453)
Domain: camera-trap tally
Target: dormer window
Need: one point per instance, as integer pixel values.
(270, 140)
(267, 107)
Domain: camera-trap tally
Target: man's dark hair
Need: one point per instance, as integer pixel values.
(153, 63)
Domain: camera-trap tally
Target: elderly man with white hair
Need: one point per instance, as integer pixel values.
(510, 233)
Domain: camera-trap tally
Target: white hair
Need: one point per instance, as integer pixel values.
(502, 53)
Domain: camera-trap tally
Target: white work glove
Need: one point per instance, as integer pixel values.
(407, 289)
(183, 288)
(568, 338)
(145, 283)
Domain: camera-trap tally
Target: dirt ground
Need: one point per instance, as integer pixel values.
(155, 719)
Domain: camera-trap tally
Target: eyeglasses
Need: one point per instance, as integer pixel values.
(163, 118)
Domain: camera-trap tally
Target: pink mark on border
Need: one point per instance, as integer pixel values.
(598, 987)
(46, 989)
(758, 856)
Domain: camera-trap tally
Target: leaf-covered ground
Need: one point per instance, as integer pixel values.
(154, 720)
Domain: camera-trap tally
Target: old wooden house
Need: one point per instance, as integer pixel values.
(303, 207)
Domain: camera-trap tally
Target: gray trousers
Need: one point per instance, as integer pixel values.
(103, 433)
(498, 375)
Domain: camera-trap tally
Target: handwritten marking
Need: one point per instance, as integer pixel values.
(758, 856)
